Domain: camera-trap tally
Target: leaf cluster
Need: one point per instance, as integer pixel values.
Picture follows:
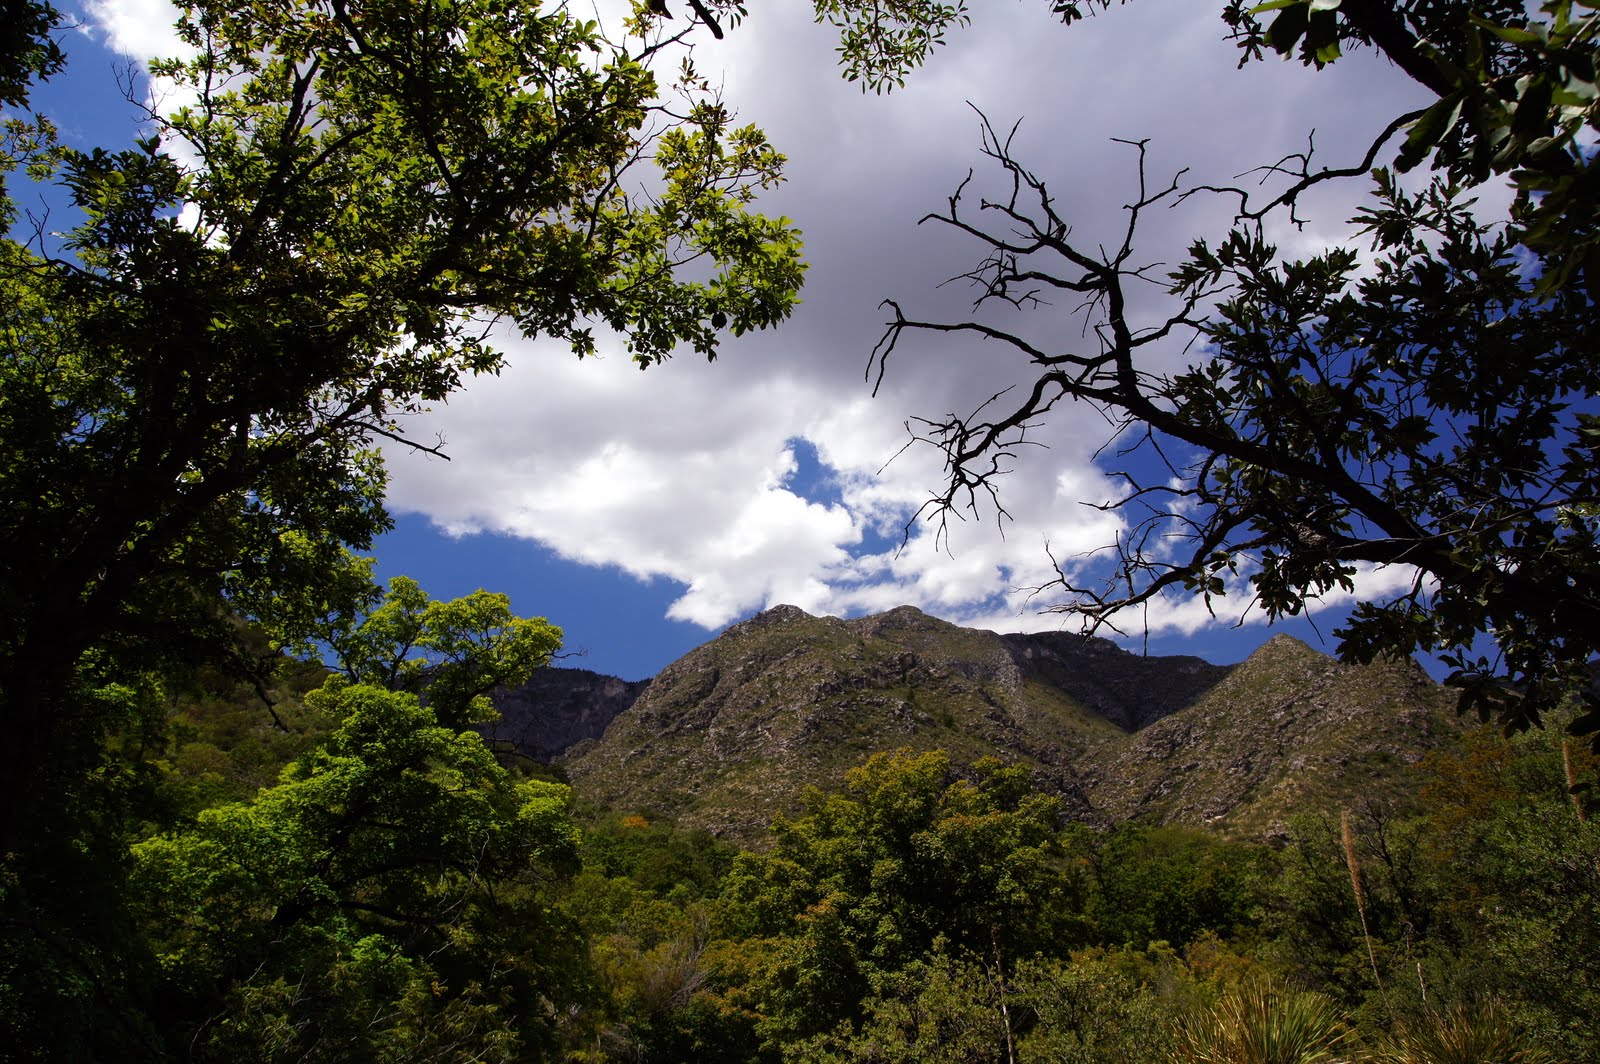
(1425, 402)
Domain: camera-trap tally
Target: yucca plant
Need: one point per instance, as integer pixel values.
(1463, 1035)
(1352, 861)
(1262, 1023)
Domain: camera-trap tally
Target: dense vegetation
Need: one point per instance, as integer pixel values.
(369, 882)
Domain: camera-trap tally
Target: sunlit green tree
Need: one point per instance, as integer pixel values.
(309, 241)
(906, 860)
(392, 888)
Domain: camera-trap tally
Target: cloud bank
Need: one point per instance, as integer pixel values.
(688, 471)
(775, 475)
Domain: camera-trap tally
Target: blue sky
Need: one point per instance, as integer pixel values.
(645, 512)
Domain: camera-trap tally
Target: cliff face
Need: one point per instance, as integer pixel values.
(559, 708)
(1127, 689)
(731, 734)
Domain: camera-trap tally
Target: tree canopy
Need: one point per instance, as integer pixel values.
(388, 897)
(905, 858)
(308, 242)
(1427, 402)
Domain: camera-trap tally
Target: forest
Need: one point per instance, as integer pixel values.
(370, 881)
(245, 812)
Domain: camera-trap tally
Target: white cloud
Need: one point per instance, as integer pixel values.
(144, 30)
(1188, 614)
(681, 472)
(139, 29)
(686, 472)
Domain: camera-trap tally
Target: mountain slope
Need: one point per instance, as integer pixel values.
(732, 733)
(1288, 729)
(558, 708)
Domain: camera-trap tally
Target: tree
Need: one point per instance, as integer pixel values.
(906, 862)
(1427, 404)
(453, 654)
(389, 869)
(1170, 884)
(395, 872)
(313, 245)
(388, 898)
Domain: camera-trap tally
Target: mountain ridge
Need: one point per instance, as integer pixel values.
(731, 734)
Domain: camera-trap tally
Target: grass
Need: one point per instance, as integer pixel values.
(1263, 1023)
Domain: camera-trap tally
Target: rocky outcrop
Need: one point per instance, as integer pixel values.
(731, 734)
(1130, 690)
(559, 708)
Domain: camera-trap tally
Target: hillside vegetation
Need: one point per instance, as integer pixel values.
(359, 875)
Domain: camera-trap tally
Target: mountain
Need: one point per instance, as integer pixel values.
(1289, 729)
(729, 735)
(559, 708)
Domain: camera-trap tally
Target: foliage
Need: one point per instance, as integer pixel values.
(880, 43)
(75, 974)
(1482, 1035)
(1170, 884)
(906, 858)
(1265, 1024)
(396, 869)
(1425, 404)
(1095, 1007)
(1480, 905)
(938, 1010)
(308, 247)
(453, 653)
(218, 746)
(671, 986)
(311, 248)
(659, 858)
(27, 49)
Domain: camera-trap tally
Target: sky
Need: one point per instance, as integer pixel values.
(644, 512)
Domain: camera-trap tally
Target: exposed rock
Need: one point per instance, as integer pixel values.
(1130, 690)
(559, 708)
(731, 734)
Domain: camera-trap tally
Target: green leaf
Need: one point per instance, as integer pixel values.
(1510, 34)
(1287, 29)
(1436, 122)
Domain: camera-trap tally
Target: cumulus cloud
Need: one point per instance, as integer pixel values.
(691, 473)
(686, 472)
(139, 29)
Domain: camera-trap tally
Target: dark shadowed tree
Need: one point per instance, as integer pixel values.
(312, 245)
(1428, 401)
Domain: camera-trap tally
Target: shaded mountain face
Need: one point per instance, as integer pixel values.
(730, 735)
(559, 708)
(1127, 689)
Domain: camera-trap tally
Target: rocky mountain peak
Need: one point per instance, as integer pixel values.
(775, 616)
(729, 735)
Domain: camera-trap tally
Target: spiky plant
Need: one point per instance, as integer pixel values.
(1352, 861)
(1573, 788)
(1262, 1023)
(1462, 1035)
